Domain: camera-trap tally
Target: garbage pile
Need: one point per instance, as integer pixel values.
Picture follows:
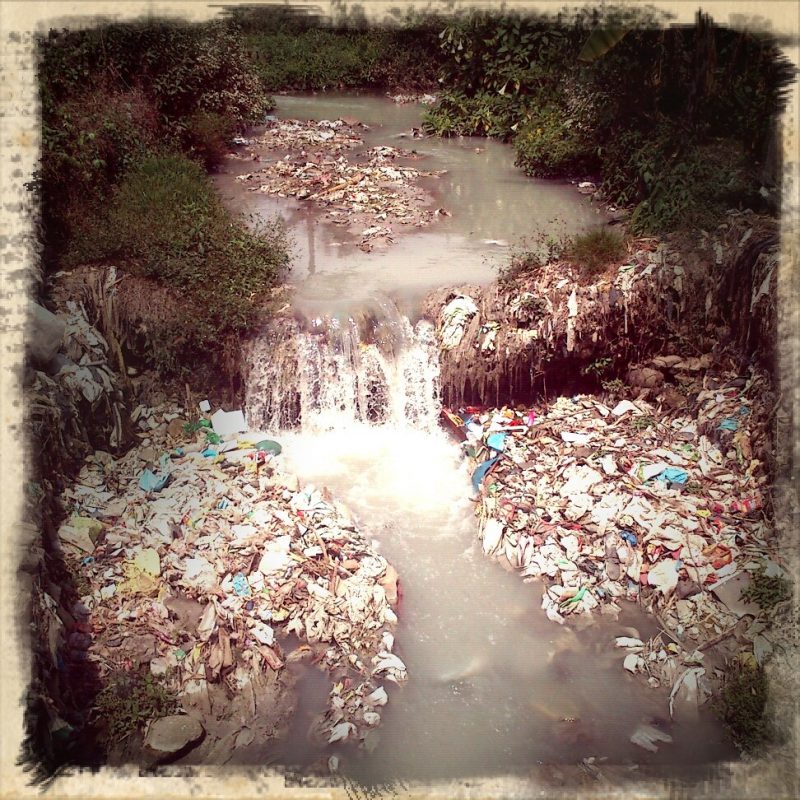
(369, 194)
(636, 501)
(332, 136)
(201, 557)
(502, 338)
(423, 99)
(74, 398)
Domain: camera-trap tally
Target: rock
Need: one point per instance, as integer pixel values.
(645, 377)
(175, 428)
(44, 335)
(389, 583)
(171, 735)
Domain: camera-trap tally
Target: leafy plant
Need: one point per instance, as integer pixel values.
(598, 367)
(596, 249)
(130, 700)
(742, 706)
(767, 591)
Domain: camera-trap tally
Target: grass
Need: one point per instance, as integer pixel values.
(767, 591)
(592, 252)
(166, 222)
(742, 707)
(130, 700)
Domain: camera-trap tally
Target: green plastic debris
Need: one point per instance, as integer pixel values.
(576, 599)
(191, 427)
(212, 437)
(268, 446)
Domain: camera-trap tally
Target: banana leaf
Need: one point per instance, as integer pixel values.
(600, 41)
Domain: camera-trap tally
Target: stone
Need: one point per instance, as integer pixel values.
(171, 735)
(175, 428)
(44, 335)
(645, 377)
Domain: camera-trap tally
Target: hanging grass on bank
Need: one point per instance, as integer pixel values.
(166, 222)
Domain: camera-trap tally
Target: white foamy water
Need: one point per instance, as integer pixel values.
(494, 687)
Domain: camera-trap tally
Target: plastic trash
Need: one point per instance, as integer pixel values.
(646, 736)
(479, 474)
(204, 406)
(454, 319)
(496, 441)
(226, 423)
(150, 482)
(269, 446)
(673, 475)
(729, 424)
(240, 585)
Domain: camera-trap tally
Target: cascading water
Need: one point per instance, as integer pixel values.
(494, 687)
(338, 370)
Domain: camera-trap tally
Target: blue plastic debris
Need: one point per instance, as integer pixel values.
(729, 424)
(496, 442)
(240, 585)
(209, 452)
(629, 537)
(744, 411)
(149, 482)
(673, 475)
(481, 471)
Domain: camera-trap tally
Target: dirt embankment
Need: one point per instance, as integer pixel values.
(552, 329)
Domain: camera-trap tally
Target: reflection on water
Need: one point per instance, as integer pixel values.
(494, 208)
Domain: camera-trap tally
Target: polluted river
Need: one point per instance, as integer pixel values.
(494, 687)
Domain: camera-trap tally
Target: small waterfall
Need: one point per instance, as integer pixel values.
(326, 372)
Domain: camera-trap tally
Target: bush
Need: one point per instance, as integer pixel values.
(551, 144)
(207, 137)
(322, 58)
(597, 249)
(166, 222)
(742, 706)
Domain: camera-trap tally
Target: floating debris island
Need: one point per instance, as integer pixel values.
(370, 191)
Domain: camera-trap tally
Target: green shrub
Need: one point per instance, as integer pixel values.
(595, 250)
(166, 222)
(485, 114)
(552, 144)
(322, 58)
(207, 137)
(742, 706)
(129, 701)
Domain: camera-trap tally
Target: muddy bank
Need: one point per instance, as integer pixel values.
(551, 329)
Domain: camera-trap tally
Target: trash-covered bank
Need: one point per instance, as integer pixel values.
(549, 327)
(658, 489)
(199, 577)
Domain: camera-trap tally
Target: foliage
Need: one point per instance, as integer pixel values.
(112, 94)
(742, 706)
(551, 144)
(598, 367)
(676, 122)
(767, 591)
(166, 222)
(130, 700)
(300, 51)
(596, 249)
(485, 114)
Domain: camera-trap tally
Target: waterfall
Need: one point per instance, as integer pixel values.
(368, 366)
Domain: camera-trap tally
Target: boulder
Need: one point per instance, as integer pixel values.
(171, 735)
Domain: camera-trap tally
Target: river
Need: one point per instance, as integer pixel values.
(494, 687)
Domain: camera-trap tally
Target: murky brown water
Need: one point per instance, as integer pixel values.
(494, 687)
(489, 198)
